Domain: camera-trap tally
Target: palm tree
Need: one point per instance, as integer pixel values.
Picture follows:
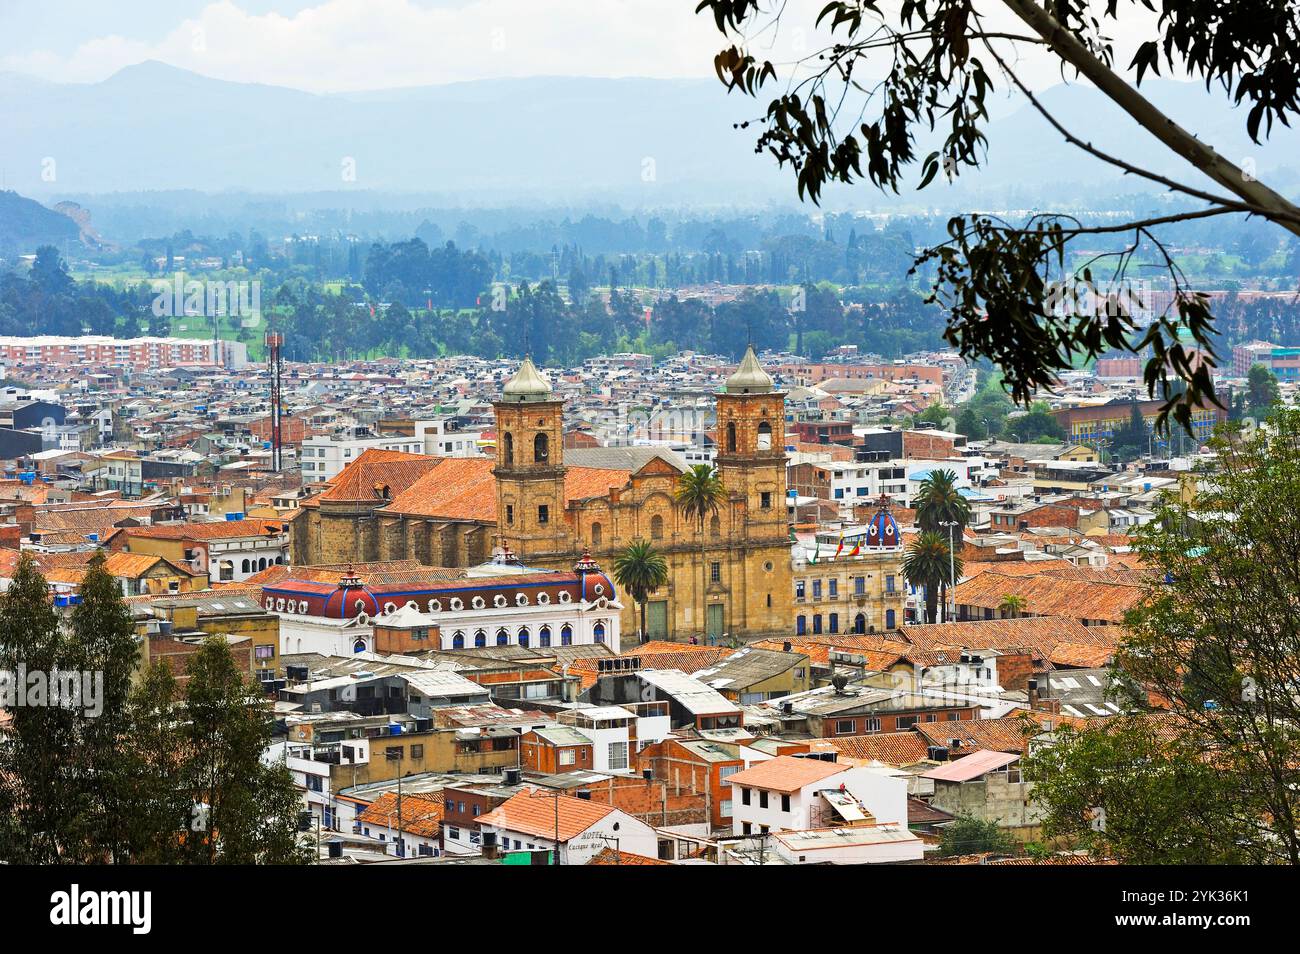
(699, 495)
(937, 502)
(1012, 605)
(930, 564)
(640, 570)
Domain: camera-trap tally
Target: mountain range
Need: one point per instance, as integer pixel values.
(639, 142)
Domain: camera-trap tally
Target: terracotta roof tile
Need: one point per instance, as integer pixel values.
(1045, 595)
(998, 735)
(216, 530)
(543, 814)
(454, 488)
(880, 653)
(785, 773)
(583, 482)
(892, 748)
(608, 856)
(421, 813)
(1038, 635)
(378, 468)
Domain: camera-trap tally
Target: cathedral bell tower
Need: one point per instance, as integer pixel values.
(530, 466)
(751, 448)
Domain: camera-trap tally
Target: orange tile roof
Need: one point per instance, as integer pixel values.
(1039, 635)
(454, 488)
(655, 646)
(1106, 574)
(583, 482)
(421, 813)
(459, 488)
(879, 653)
(87, 518)
(1081, 656)
(683, 656)
(131, 565)
(1045, 595)
(785, 773)
(892, 748)
(997, 735)
(973, 568)
(216, 530)
(542, 814)
(608, 856)
(378, 468)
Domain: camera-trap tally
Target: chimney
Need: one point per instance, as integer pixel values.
(787, 646)
(1032, 689)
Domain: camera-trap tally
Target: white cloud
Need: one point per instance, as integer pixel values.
(372, 44)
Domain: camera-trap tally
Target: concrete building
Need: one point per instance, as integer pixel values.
(137, 353)
(987, 785)
(851, 580)
(793, 794)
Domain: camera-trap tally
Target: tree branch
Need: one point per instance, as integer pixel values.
(1065, 44)
(1225, 204)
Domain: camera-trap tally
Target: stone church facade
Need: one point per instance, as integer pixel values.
(459, 512)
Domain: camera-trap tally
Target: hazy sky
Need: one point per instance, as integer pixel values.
(328, 45)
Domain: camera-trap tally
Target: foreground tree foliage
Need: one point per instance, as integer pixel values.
(968, 836)
(132, 775)
(856, 108)
(251, 807)
(1217, 644)
(41, 788)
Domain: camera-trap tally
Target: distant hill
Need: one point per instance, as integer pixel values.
(26, 224)
(637, 142)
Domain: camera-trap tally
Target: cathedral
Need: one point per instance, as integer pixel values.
(546, 510)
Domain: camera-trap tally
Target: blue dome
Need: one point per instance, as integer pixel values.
(882, 531)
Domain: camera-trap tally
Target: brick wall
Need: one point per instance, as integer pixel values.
(649, 800)
(1015, 670)
(918, 445)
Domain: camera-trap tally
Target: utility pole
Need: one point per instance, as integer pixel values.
(274, 344)
(952, 569)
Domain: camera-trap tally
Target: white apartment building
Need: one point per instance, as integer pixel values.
(822, 812)
(323, 458)
(439, 440)
(899, 479)
(616, 733)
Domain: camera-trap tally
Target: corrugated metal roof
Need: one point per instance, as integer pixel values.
(971, 767)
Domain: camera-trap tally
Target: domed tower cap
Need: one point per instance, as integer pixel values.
(749, 378)
(585, 563)
(527, 386)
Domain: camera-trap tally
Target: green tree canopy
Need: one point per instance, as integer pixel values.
(1216, 777)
